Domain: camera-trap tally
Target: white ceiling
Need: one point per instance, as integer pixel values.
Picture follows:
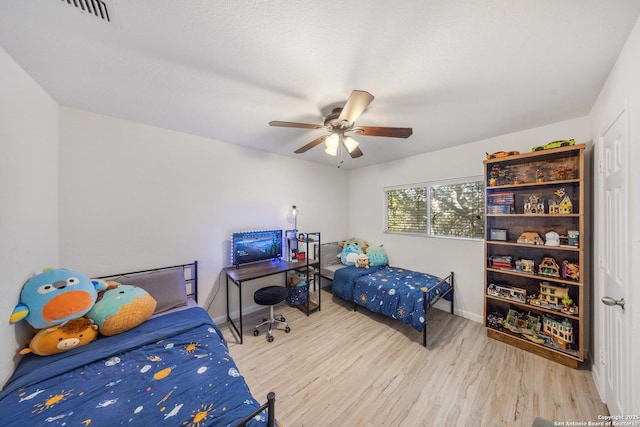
(455, 70)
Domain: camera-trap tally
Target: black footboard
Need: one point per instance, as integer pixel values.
(269, 405)
(427, 304)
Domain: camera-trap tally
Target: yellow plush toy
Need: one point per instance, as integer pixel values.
(61, 338)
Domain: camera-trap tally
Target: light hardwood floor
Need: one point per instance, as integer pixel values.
(343, 368)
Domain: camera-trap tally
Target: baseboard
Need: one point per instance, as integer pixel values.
(446, 306)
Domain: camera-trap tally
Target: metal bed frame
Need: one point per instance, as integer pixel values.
(191, 281)
(427, 304)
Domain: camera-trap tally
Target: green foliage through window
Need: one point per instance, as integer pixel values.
(454, 209)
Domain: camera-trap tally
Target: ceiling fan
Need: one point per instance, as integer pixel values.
(341, 121)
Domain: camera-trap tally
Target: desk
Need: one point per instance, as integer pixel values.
(244, 273)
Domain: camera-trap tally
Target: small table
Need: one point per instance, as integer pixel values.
(243, 273)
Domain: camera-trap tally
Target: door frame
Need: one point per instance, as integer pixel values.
(600, 359)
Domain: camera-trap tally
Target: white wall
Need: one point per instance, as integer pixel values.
(28, 193)
(622, 91)
(134, 196)
(436, 255)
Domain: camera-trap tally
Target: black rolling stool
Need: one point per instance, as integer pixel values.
(270, 296)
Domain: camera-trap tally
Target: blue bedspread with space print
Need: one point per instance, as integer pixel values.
(173, 369)
(395, 292)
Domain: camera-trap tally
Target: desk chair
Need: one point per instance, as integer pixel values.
(270, 296)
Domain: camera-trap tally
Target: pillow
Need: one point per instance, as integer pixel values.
(329, 253)
(377, 256)
(167, 287)
(120, 308)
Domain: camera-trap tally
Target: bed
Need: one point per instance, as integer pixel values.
(395, 292)
(173, 369)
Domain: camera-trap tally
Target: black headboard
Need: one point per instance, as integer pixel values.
(190, 276)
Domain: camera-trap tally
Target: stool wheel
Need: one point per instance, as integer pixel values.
(270, 338)
(282, 318)
(256, 332)
(287, 329)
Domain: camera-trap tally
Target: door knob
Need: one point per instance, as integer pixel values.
(610, 301)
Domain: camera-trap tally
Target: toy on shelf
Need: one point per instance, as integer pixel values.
(555, 144)
(525, 266)
(539, 177)
(507, 292)
(521, 323)
(570, 270)
(534, 205)
(501, 262)
(552, 239)
(550, 296)
(573, 238)
(500, 175)
(530, 238)
(560, 332)
(549, 267)
(554, 297)
(566, 304)
(563, 172)
(495, 320)
(562, 204)
(500, 154)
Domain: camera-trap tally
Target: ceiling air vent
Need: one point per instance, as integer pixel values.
(94, 7)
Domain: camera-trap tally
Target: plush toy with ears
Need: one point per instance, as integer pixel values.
(55, 296)
(363, 261)
(61, 338)
(349, 254)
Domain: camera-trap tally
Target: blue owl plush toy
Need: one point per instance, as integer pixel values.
(55, 296)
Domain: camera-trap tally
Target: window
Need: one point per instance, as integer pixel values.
(450, 209)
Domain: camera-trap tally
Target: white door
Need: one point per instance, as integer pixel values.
(615, 266)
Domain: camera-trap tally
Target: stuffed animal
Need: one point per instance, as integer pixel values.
(362, 243)
(377, 256)
(61, 338)
(349, 254)
(363, 261)
(120, 308)
(55, 296)
(297, 278)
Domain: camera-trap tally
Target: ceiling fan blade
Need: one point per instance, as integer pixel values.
(384, 131)
(295, 125)
(356, 104)
(356, 152)
(310, 145)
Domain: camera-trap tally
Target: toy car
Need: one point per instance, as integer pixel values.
(499, 154)
(555, 144)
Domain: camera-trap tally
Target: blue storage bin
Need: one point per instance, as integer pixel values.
(297, 295)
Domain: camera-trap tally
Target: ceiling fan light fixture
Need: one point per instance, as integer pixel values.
(350, 144)
(332, 141)
(332, 151)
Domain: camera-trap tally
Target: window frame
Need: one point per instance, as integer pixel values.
(428, 186)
